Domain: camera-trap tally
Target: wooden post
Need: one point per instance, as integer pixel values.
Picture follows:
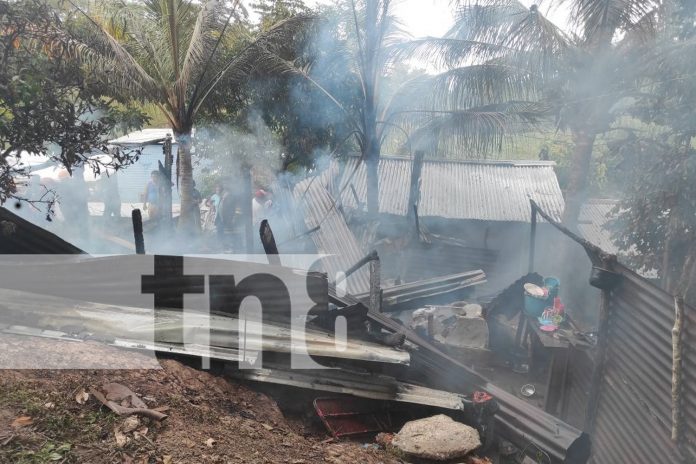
(137, 219)
(677, 349)
(269, 244)
(375, 285)
(532, 237)
(414, 190)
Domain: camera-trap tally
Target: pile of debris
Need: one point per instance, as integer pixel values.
(414, 358)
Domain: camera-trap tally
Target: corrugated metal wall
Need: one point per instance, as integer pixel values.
(633, 420)
(578, 384)
(482, 190)
(133, 179)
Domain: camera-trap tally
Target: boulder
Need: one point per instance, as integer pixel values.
(465, 332)
(437, 438)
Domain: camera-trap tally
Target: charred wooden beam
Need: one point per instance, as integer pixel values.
(137, 218)
(268, 242)
(363, 261)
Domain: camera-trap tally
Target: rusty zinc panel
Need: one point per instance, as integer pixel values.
(633, 421)
(333, 237)
(480, 190)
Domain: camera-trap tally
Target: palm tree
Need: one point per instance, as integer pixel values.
(375, 43)
(173, 54)
(582, 74)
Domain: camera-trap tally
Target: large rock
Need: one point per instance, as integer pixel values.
(437, 438)
(465, 332)
(460, 325)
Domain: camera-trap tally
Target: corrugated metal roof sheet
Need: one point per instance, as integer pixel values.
(595, 214)
(21, 236)
(482, 190)
(143, 137)
(333, 236)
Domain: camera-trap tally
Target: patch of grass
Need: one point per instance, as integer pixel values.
(65, 422)
(20, 397)
(50, 452)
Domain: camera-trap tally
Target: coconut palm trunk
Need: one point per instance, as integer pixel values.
(372, 154)
(580, 162)
(187, 217)
(173, 54)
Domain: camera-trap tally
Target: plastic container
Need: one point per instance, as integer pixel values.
(552, 283)
(534, 306)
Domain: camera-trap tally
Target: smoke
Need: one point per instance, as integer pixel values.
(225, 150)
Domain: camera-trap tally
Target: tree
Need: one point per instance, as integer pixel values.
(46, 101)
(582, 75)
(272, 11)
(173, 54)
(304, 126)
(656, 225)
(372, 43)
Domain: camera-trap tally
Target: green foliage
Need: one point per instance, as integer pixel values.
(308, 123)
(176, 55)
(658, 162)
(46, 99)
(272, 11)
(581, 77)
(48, 453)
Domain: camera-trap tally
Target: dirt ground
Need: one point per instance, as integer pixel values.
(210, 419)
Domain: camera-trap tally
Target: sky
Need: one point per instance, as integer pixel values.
(434, 17)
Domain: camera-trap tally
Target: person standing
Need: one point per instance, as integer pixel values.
(111, 197)
(260, 206)
(197, 198)
(151, 196)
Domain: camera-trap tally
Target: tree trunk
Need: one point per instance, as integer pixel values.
(370, 73)
(580, 162)
(372, 166)
(188, 222)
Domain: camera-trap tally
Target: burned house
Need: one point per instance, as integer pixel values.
(436, 217)
(613, 387)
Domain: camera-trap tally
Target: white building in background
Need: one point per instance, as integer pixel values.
(132, 179)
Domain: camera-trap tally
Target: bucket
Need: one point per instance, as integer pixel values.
(552, 283)
(534, 306)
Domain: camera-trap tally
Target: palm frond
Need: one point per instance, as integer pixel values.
(643, 31)
(467, 87)
(480, 130)
(262, 53)
(509, 29)
(106, 55)
(202, 43)
(601, 19)
(445, 52)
